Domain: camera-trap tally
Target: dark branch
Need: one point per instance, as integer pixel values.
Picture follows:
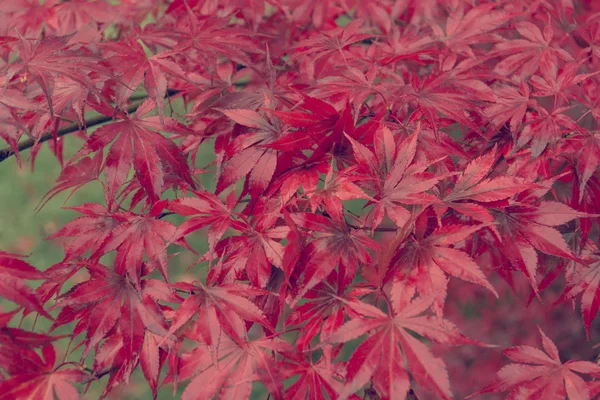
(92, 121)
(165, 214)
(99, 374)
(368, 228)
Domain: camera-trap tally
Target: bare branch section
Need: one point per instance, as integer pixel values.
(90, 122)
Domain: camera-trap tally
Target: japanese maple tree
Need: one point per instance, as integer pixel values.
(327, 199)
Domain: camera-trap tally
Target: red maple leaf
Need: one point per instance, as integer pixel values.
(541, 374)
(220, 309)
(101, 231)
(14, 338)
(259, 249)
(323, 126)
(336, 189)
(75, 175)
(208, 210)
(525, 227)
(209, 38)
(71, 16)
(324, 311)
(510, 106)
(316, 379)
(332, 41)
(14, 271)
(334, 244)
(239, 365)
(583, 278)
(435, 94)
(394, 176)
(139, 144)
(474, 188)
(248, 154)
(109, 301)
(555, 82)
(466, 28)
(425, 261)
(352, 84)
(525, 56)
(43, 61)
(136, 66)
(38, 377)
(381, 355)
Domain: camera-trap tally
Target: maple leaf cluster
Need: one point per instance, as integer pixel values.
(379, 173)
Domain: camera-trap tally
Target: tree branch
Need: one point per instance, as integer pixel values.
(165, 214)
(100, 374)
(92, 121)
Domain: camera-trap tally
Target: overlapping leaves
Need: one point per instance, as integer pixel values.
(368, 157)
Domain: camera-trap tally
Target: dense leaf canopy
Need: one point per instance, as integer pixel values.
(371, 179)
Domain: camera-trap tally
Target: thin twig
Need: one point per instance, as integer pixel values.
(100, 374)
(92, 121)
(368, 228)
(165, 214)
